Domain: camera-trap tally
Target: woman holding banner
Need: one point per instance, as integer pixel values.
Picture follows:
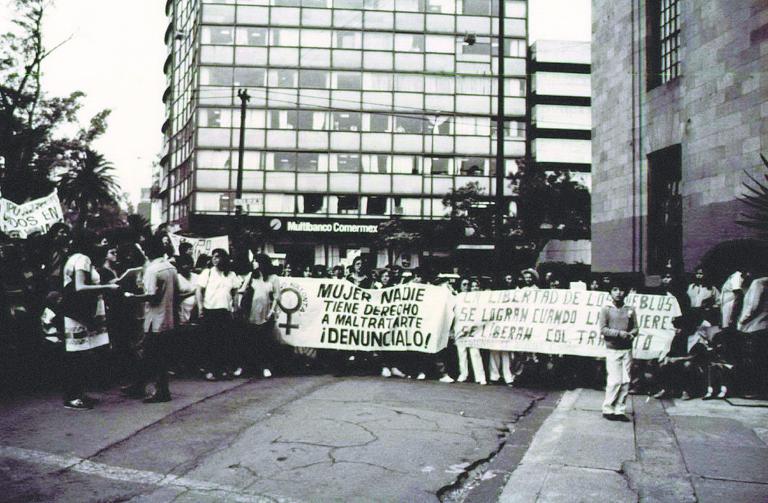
(362, 278)
(463, 351)
(391, 360)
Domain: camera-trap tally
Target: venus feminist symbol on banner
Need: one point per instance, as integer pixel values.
(290, 301)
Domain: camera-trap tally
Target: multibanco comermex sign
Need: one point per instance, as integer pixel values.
(335, 227)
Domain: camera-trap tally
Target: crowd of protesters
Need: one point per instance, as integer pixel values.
(130, 309)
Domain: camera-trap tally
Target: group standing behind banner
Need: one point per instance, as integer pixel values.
(335, 314)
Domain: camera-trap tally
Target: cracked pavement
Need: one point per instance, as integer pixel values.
(314, 438)
(673, 451)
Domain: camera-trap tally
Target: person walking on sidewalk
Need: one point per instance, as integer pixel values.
(618, 326)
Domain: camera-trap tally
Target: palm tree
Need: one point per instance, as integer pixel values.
(88, 186)
(757, 199)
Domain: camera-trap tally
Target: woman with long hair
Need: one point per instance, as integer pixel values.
(258, 300)
(84, 317)
(216, 289)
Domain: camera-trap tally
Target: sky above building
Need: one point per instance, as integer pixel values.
(114, 52)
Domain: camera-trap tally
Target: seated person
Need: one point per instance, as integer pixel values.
(680, 369)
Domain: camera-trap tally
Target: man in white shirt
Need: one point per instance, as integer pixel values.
(161, 287)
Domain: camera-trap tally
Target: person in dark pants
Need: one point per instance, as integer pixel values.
(161, 285)
(259, 294)
(216, 289)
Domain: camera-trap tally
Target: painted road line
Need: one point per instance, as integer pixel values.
(84, 466)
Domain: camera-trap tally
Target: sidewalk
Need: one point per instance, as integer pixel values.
(673, 450)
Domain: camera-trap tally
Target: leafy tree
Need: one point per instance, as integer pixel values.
(31, 157)
(756, 197)
(394, 236)
(469, 213)
(550, 201)
(88, 186)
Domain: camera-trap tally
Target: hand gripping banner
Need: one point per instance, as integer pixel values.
(557, 321)
(336, 314)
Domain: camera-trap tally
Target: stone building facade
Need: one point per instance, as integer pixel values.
(680, 117)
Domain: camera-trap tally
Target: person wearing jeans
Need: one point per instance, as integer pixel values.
(618, 326)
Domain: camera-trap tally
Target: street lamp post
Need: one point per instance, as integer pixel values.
(244, 97)
(500, 168)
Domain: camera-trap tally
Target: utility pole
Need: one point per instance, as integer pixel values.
(243, 95)
(500, 168)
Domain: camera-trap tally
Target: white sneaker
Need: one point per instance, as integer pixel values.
(385, 372)
(462, 378)
(421, 376)
(723, 392)
(446, 378)
(266, 373)
(482, 383)
(396, 372)
(238, 372)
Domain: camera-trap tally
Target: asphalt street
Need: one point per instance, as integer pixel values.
(313, 438)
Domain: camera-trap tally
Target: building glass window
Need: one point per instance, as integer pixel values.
(313, 203)
(349, 204)
(379, 123)
(664, 41)
(317, 79)
(312, 121)
(406, 124)
(376, 205)
(665, 210)
(252, 77)
(439, 165)
(285, 161)
(308, 161)
(252, 36)
(472, 166)
(286, 78)
(409, 42)
(348, 40)
(218, 35)
(215, 117)
(346, 121)
(349, 81)
(282, 119)
(349, 163)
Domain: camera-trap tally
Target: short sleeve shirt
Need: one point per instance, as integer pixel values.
(160, 280)
(79, 262)
(218, 288)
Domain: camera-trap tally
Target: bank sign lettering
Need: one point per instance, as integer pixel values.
(335, 227)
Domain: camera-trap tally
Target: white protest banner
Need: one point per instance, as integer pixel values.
(336, 314)
(201, 245)
(21, 220)
(557, 321)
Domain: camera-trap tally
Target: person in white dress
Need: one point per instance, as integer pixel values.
(84, 318)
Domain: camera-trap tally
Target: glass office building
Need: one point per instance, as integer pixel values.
(359, 110)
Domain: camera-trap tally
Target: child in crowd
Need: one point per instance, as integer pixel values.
(619, 327)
